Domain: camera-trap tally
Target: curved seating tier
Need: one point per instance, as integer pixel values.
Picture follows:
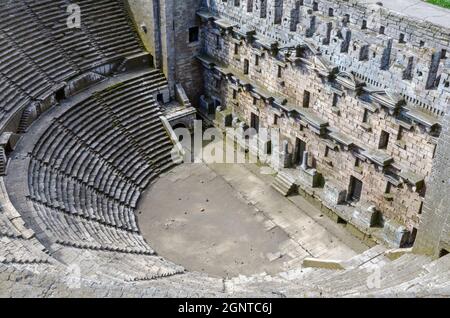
(128, 267)
(39, 52)
(90, 166)
(17, 244)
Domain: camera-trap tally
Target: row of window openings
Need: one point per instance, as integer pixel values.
(280, 73)
(280, 68)
(355, 184)
(384, 136)
(346, 19)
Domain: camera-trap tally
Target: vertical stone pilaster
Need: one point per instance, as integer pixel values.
(434, 228)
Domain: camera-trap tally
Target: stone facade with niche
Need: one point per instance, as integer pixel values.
(364, 89)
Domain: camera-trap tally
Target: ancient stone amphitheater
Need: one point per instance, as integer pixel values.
(86, 117)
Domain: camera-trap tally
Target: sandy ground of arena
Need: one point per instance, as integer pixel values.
(226, 220)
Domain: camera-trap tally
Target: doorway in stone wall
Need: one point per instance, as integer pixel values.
(254, 122)
(355, 189)
(300, 148)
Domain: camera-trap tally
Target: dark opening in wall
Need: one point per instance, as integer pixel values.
(193, 34)
(382, 29)
(246, 66)
(160, 98)
(315, 6)
(275, 119)
(401, 38)
(263, 9)
(306, 99)
(443, 252)
(355, 189)
(217, 42)
(60, 94)
(278, 14)
(335, 99)
(249, 5)
(300, 148)
(346, 19)
(388, 188)
(254, 122)
(366, 116)
(341, 221)
(443, 53)
(412, 237)
(384, 140)
(330, 12)
(364, 25)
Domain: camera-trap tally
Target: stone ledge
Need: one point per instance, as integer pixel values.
(324, 264)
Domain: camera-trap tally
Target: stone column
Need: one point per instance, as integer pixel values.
(304, 165)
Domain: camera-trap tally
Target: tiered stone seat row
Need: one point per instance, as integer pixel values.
(75, 231)
(18, 70)
(79, 47)
(19, 251)
(128, 267)
(110, 27)
(28, 34)
(16, 244)
(62, 192)
(382, 278)
(89, 168)
(39, 52)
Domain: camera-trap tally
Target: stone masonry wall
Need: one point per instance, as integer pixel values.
(188, 69)
(378, 46)
(414, 150)
(167, 38)
(143, 13)
(311, 49)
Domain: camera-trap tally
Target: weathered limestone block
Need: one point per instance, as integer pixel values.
(366, 216)
(322, 263)
(81, 82)
(334, 194)
(162, 95)
(206, 105)
(283, 158)
(136, 62)
(395, 234)
(310, 177)
(224, 118)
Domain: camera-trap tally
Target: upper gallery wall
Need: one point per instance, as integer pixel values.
(402, 54)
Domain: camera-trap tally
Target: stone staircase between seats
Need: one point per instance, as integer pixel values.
(284, 183)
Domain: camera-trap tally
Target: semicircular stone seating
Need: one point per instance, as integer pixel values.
(68, 203)
(39, 52)
(91, 165)
(88, 169)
